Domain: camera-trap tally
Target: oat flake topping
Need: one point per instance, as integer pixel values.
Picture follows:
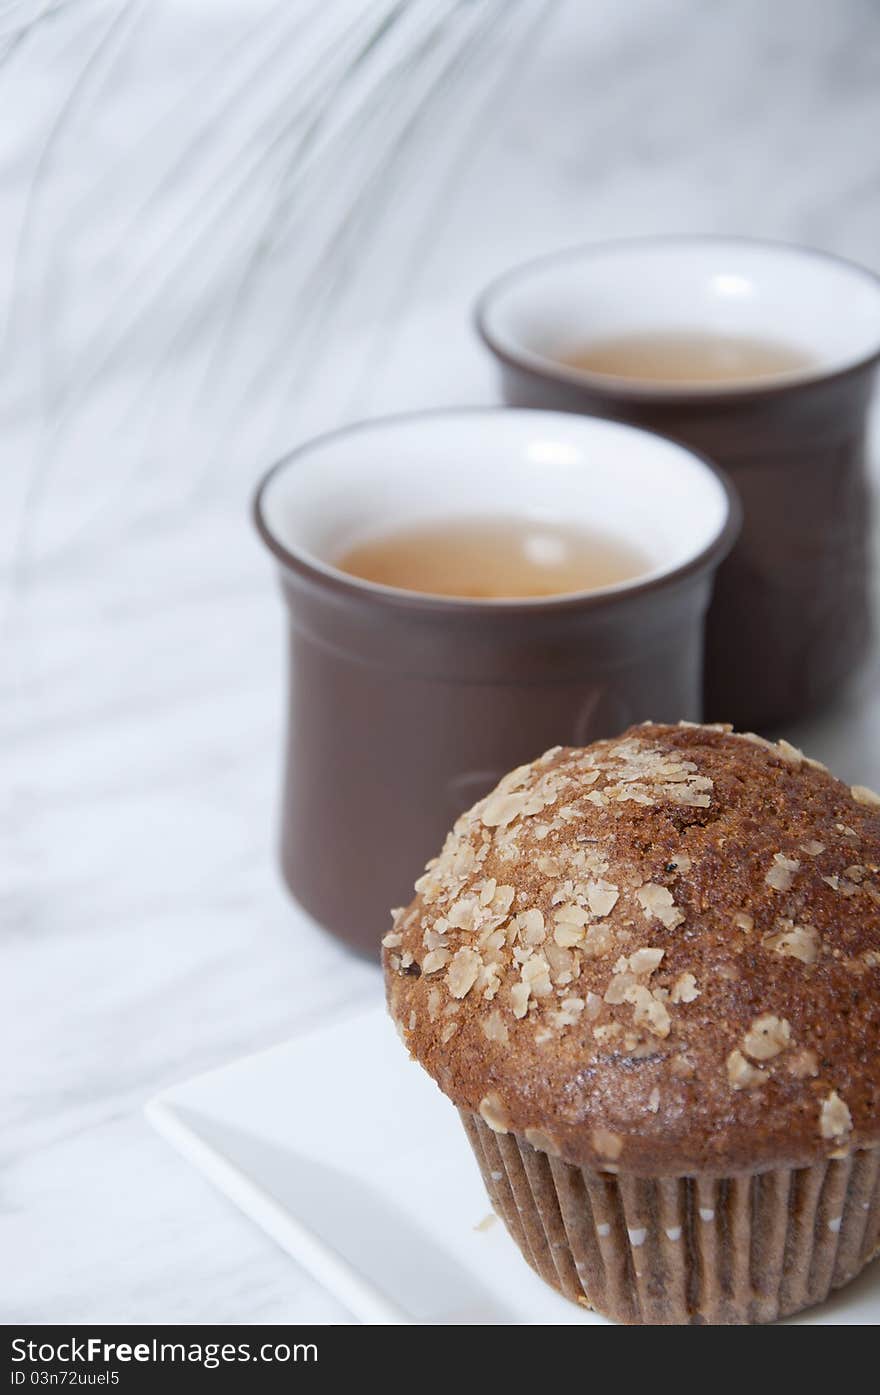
(652, 946)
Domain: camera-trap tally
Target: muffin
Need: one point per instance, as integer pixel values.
(647, 973)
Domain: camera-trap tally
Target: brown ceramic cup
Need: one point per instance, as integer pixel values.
(790, 616)
(405, 708)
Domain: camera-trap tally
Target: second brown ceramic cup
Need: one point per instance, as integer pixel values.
(406, 708)
(790, 619)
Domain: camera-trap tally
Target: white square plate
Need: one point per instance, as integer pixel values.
(346, 1154)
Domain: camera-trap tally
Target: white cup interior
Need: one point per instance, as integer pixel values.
(826, 308)
(541, 467)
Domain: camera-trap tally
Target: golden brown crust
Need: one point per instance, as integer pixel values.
(659, 954)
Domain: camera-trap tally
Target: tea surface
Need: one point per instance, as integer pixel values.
(692, 357)
(494, 559)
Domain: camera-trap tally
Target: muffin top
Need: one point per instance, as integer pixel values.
(659, 954)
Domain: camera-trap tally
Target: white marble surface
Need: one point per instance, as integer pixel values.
(145, 936)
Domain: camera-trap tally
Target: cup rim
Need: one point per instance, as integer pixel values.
(342, 584)
(630, 390)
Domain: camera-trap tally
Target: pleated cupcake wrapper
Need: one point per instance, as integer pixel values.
(741, 1249)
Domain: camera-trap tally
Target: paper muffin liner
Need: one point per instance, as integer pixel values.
(682, 1250)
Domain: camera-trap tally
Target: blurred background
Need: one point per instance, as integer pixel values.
(225, 224)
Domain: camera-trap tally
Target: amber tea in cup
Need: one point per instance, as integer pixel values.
(689, 357)
(494, 558)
